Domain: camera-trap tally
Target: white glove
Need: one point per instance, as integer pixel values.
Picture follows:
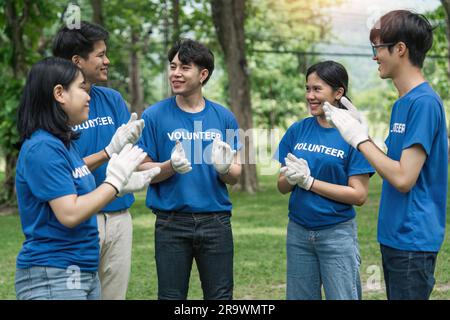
(178, 159)
(297, 172)
(139, 180)
(353, 131)
(355, 113)
(222, 156)
(126, 133)
(122, 165)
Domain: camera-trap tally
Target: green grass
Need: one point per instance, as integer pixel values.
(259, 228)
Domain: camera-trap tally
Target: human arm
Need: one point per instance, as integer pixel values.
(355, 193)
(126, 133)
(401, 174)
(234, 173)
(72, 209)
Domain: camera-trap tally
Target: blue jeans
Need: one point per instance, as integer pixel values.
(205, 237)
(328, 257)
(408, 275)
(46, 283)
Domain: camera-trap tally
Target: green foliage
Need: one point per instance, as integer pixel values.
(278, 79)
(435, 69)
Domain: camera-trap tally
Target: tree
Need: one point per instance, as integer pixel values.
(446, 6)
(22, 26)
(229, 18)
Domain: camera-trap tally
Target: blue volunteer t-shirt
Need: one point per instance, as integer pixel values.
(47, 170)
(415, 221)
(107, 112)
(201, 189)
(330, 159)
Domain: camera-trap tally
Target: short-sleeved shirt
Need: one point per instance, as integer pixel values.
(107, 112)
(47, 170)
(415, 221)
(200, 190)
(330, 159)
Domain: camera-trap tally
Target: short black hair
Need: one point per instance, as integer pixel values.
(38, 108)
(70, 42)
(193, 51)
(332, 73)
(411, 28)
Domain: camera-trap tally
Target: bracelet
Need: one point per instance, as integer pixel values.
(117, 190)
(314, 179)
(357, 146)
(104, 149)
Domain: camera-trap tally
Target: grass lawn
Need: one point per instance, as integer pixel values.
(259, 227)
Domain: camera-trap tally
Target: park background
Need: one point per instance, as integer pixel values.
(262, 50)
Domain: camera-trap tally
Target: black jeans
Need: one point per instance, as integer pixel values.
(205, 237)
(408, 275)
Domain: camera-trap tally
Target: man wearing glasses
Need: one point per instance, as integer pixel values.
(411, 222)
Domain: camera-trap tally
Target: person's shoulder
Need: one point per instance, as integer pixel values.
(158, 107)
(105, 92)
(425, 95)
(305, 122)
(224, 111)
(43, 143)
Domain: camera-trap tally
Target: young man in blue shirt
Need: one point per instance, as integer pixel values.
(194, 141)
(107, 130)
(411, 224)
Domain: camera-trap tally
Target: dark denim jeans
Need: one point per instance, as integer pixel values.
(408, 275)
(205, 237)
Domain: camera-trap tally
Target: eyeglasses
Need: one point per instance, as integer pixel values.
(381, 45)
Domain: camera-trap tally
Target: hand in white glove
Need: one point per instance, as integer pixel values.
(355, 113)
(178, 159)
(139, 180)
(126, 133)
(353, 130)
(122, 165)
(297, 172)
(222, 155)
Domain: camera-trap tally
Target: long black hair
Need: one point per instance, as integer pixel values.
(38, 108)
(333, 74)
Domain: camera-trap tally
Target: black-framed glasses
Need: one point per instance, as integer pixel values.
(381, 45)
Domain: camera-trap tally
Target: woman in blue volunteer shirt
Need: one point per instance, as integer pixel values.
(56, 192)
(326, 177)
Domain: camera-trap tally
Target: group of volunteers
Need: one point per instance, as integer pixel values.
(83, 155)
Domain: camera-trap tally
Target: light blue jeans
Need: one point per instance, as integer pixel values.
(45, 283)
(327, 257)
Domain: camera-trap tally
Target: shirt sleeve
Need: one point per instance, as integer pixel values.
(48, 172)
(232, 133)
(148, 140)
(422, 124)
(357, 164)
(124, 113)
(285, 146)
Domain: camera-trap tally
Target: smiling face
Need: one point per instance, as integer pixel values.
(317, 92)
(95, 67)
(185, 79)
(74, 100)
(386, 60)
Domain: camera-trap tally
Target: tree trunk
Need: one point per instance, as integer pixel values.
(135, 84)
(175, 20)
(166, 90)
(97, 14)
(15, 26)
(446, 6)
(229, 17)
